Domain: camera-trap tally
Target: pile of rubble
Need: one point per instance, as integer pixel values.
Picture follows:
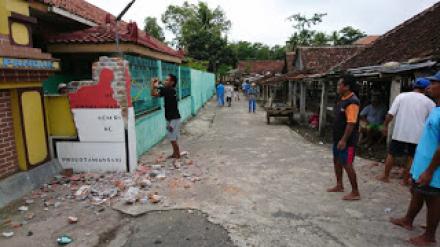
(136, 187)
(102, 190)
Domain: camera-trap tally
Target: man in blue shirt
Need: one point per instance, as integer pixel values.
(425, 174)
(220, 94)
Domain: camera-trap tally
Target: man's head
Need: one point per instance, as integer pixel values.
(228, 83)
(247, 81)
(346, 84)
(421, 84)
(62, 88)
(375, 101)
(171, 81)
(434, 87)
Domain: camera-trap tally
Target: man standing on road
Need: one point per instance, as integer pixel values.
(229, 91)
(410, 110)
(244, 87)
(252, 95)
(220, 94)
(425, 174)
(345, 131)
(172, 115)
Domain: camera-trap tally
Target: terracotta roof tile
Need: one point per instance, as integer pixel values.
(101, 33)
(319, 60)
(417, 37)
(261, 66)
(368, 40)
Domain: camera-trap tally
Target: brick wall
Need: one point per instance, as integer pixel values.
(8, 153)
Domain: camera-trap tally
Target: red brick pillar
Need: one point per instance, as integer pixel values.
(8, 152)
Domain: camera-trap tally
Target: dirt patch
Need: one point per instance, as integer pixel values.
(185, 228)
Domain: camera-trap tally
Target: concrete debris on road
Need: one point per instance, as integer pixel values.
(98, 191)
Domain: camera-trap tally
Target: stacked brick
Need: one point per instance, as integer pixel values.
(120, 84)
(8, 152)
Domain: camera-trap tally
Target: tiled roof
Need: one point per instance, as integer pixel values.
(319, 60)
(418, 37)
(368, 40)
(261, 66)
(80, 8)
(103, 33)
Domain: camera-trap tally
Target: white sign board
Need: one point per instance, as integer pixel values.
(99, 125)
(92, 157)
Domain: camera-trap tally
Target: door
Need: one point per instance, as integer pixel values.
(34, 127)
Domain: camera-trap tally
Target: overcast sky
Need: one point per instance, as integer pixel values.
(265, 20)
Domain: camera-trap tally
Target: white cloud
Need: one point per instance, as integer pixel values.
(265, 20)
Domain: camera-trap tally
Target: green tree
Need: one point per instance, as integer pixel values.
(277, 52)
(153, 28)
(319, 38)
(335, 38)
(201, 32)
(245, 50)
(350, 35)
(303, 35)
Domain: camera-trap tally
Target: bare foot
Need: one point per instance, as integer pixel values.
(383, 179)
(402, 222)
(422, 240)
(173, 156)
(336, 189)
(353, 196)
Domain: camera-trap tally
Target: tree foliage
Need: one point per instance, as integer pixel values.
(350, 35)
(245, 50)
(201, 31)
(152, 27)
(303, 34)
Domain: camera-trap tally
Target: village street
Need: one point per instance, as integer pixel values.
(261, 185)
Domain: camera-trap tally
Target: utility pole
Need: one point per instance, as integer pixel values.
(118, 18)
(120, 53)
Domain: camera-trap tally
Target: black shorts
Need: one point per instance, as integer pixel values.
(398, 148)
(425, 190)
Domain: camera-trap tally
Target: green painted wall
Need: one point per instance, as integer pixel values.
(202, 88)
(185, 108)
(150, 130)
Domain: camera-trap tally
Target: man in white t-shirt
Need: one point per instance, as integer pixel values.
(410, 111)
(229, 90)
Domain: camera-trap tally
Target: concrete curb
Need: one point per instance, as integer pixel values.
(17, 185)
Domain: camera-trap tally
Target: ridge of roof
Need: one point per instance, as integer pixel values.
(93, 13)
(388, 35)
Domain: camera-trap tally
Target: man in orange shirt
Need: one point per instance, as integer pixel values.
(345, 135)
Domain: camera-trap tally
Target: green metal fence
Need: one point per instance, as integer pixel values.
(170, 68)
(185, 81)
(142, 70)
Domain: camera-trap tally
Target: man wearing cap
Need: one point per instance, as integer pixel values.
(425, 174)
(410, 111)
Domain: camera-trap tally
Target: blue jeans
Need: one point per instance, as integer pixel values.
(220, 100)
(252, 105)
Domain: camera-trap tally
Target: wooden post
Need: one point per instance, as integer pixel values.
(295, 96)
(396, 87)
(302, 103)
(289, 96)
(323, 109)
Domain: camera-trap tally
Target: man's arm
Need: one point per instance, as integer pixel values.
(154, 87)
(426, 177)
(386, 123)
